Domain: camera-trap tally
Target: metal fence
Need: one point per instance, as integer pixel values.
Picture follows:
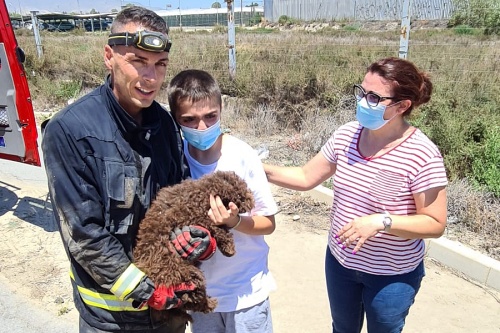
(315, 10)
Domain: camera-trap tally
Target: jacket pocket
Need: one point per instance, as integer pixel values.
(121, 186)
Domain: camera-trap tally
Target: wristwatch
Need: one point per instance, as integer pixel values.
(387, 221)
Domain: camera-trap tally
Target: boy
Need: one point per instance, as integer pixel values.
(241, 283)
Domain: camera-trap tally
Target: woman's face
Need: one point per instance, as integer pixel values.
(198, 115)
(374, 83)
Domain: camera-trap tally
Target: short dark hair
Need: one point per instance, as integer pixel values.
(406, 80)
(192, 85)
(140, 15)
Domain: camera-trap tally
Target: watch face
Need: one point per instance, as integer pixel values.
(387, 222)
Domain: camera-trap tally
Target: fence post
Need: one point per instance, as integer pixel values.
(36, 33)
(404, 39)
(232, 39)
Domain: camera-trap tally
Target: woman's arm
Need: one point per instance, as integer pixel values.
(304, 178)
(428, 222)
(430, 219)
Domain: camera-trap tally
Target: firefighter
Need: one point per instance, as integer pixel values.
(106, 156)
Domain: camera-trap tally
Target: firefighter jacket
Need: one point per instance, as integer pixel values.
(103, 171)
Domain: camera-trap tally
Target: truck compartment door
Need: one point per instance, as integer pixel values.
(18, 133)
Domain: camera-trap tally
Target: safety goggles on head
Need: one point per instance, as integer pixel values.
(145, 40)
(371, 98)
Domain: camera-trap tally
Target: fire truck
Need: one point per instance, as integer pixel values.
(18, 131)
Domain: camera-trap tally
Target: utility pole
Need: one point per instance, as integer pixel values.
(21, 13)
(180, 16)
(36, 32)
(232, 39)
(405, 30)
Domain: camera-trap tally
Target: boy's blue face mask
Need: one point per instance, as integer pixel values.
(202, 139)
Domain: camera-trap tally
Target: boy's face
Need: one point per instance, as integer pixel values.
(198, 115)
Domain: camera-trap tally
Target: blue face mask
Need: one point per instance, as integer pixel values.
(202, 139)
(371, 117)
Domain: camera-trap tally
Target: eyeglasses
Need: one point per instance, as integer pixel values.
(371, 98)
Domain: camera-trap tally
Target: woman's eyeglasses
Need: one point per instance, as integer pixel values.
(371, 98)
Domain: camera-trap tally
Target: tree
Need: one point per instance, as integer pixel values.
(217, 5)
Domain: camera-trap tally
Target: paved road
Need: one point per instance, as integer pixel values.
(17, 315)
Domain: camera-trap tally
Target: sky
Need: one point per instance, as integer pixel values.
(103, 6)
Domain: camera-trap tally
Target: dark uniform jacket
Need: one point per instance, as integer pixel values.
(103, 171)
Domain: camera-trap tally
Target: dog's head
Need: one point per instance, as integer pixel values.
(230, 188)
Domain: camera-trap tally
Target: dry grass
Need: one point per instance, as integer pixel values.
(474, 217)
(293, 89)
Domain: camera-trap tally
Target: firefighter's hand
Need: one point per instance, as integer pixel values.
(193, 243)
(165, 298)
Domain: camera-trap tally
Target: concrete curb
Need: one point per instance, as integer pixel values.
(471, 263)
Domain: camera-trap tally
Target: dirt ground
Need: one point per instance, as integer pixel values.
(33, 262)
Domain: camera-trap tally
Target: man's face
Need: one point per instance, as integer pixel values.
(136, 75)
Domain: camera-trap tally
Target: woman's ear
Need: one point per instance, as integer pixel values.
(404, 105)
(108, 56)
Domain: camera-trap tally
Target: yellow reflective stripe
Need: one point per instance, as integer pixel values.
(106, 301)
(109, 302)
(127, 282)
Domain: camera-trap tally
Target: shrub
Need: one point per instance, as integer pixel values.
(477, 14)
(283, 19)
(463, 29)
(486, 162)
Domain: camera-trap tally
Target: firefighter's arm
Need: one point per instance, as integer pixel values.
(160, 297)
(78, 207)
(82, 225)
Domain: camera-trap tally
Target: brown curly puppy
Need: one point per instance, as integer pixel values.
(182, 205)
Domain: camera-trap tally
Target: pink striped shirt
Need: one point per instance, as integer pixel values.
(364, 186)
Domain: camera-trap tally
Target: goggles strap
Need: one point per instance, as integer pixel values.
(121, 38)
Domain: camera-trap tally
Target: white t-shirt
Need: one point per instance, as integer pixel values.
(243, 280)
(364, 186)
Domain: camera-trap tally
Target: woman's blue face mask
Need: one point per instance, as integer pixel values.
(202, 139)
(371, 117)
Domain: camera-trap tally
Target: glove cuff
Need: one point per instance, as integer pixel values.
(209, 252)
(158, 299)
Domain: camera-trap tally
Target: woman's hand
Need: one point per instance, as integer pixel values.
(220, 215)
(359, 230)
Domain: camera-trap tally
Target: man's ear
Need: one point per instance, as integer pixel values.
(108, 56)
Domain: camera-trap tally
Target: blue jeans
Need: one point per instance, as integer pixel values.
(386, 299)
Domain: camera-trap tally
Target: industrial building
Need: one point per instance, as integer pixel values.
(335, 10)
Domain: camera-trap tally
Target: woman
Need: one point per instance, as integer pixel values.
(389, 193)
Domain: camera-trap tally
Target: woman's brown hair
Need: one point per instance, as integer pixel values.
(406, 80)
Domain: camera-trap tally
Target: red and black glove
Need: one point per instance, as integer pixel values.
(193, 242)
(165, 298)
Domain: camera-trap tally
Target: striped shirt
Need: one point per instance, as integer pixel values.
(386, 183)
